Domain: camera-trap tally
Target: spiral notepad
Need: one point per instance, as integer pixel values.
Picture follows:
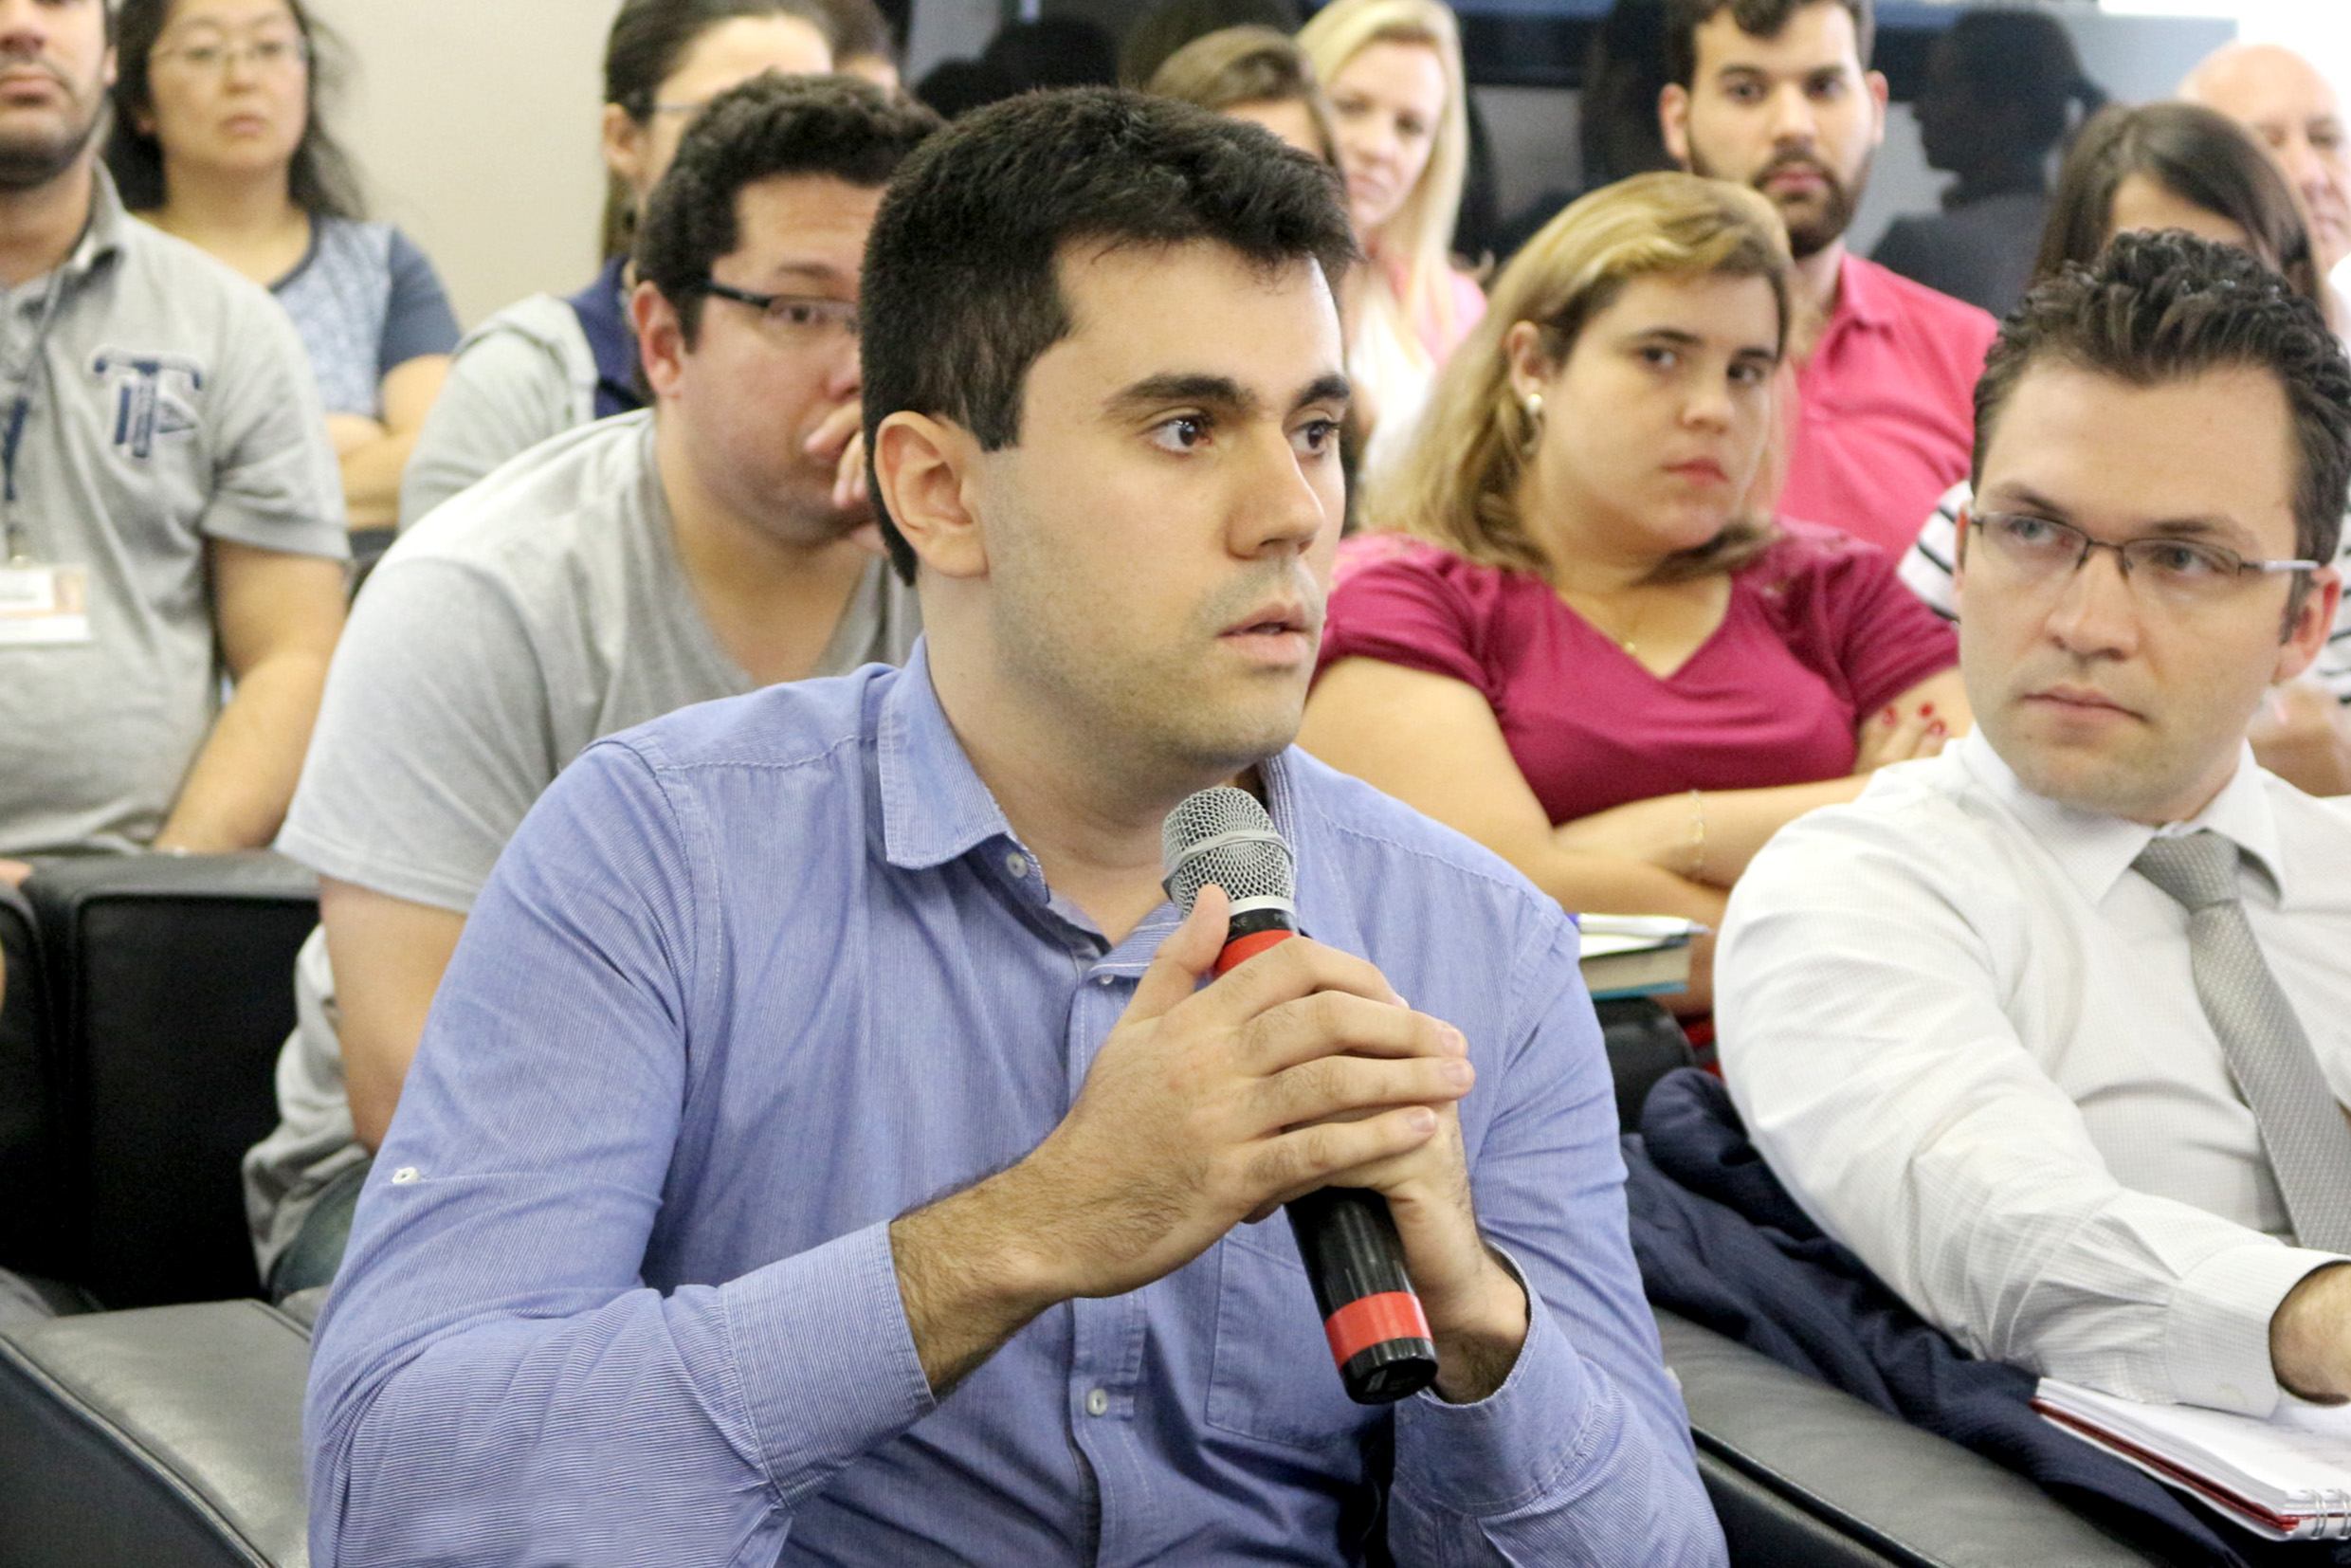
(2287, 1478)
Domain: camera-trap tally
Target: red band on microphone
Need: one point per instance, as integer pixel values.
(1369, 1321)
(1242, 949)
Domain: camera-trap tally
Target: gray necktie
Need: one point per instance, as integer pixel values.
(2303, 1129)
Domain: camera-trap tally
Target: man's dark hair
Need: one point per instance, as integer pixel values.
(1757, 19)
(962, 290)
(772, 125)
(320, 180)
(2162, 307)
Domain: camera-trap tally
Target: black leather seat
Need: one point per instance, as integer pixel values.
(172, 1436)
(1804, 1476)
(164, 1438)
(29, 1227)
(169, 988)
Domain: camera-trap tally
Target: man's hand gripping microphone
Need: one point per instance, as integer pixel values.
(1379, 1335)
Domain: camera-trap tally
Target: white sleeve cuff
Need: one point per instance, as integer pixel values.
(2217, 1333)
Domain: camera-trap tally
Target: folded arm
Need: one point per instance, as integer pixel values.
(1711, 839)
(278, 615)
(373, 452)
(1434, 743)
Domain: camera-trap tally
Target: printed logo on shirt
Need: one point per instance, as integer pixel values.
(151, 396)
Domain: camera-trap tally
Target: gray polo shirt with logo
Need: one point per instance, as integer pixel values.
(171, 405)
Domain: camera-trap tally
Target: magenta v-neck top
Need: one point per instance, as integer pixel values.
(1819, 631)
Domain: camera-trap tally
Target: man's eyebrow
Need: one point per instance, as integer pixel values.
(1333, 388)
(1157, 392)
(813, 271)
(1218, 391)
(1679, 337)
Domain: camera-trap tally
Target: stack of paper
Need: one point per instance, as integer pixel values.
(2287, 1478)
(1635, 954)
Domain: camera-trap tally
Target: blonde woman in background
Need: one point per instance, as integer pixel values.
(1583, 649)
(1257, 74)
(1393, 71)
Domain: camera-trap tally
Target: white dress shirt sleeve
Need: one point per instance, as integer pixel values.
(1864, 986)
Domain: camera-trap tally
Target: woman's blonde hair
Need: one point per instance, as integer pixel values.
(1234, 67)
(1419, 239)
(1458, 486)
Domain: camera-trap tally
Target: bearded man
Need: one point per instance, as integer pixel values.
(1778, 94)
(174, 516)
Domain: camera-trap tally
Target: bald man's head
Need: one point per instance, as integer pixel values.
(2282, 99)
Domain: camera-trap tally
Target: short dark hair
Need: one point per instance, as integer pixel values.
(1757, 19)
(648, 42)
(771, 125)
(320, 180)
(2161, 307)
(2206, 159)
(962, 288)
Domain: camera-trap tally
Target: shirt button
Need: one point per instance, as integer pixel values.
(1098, 1402)
(1016, 864)
(404, 1176)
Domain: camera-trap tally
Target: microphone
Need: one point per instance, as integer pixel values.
(1379, 1335)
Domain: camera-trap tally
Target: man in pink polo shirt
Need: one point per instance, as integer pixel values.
(1778, 94)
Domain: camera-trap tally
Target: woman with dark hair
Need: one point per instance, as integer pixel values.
(219, 138)
(548, 363)
(2179, 166)
(2003, 88)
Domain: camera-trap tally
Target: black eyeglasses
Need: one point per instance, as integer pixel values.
(800, 314)
(2176, 569)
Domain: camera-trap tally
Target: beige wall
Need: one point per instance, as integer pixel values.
(474, 122)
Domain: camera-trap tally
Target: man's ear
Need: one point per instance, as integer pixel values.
(1880, 94)
(2308, 630)
(661, 339)
(1674, 106)
(926, 473)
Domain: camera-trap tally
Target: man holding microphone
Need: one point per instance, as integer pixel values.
(824, 1147)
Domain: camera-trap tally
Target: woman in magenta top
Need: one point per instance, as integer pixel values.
(1573, 643)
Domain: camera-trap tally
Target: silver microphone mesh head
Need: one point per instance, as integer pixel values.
(1222, 835)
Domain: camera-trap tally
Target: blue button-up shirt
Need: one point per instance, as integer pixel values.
(757, 977)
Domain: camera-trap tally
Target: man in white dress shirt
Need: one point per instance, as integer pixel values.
(1968, 1031)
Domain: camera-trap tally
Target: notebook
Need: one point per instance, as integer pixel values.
(1635, 954)
(2287, 1478)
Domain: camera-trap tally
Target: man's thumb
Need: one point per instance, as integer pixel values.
(1188, 954)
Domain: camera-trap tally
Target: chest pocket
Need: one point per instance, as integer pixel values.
(1271, 1378)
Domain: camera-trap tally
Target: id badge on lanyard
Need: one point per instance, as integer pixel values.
(41, 604)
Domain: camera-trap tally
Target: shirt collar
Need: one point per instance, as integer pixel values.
(2095, 849)
(1862, 299)
(102, 235)
(935, 807)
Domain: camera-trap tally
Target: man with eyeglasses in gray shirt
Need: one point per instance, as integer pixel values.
(695, 549)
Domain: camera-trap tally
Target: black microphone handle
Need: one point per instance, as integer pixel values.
(1355, 1260)
(1371, 1317)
